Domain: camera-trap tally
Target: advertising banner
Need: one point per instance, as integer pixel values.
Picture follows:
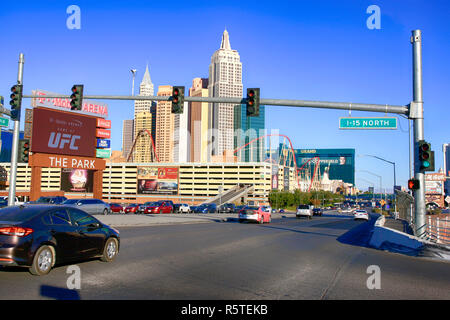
(77, 180)
(59, 132)
(157, 180)
(103, 143)
(96, 108)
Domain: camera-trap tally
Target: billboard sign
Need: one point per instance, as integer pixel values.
(63, 133)
(102, 133)
(157, 180)
(77, 180)
(95, 108)
(103, 143)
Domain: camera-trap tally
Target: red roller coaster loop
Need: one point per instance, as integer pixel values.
(139, 135)
(293, 153)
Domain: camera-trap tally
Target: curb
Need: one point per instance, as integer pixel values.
(384, 238)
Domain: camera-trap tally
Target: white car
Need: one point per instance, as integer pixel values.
(361, 215)
(184, 208)
(16, 203)
(304, 210)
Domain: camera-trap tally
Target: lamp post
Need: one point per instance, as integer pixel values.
(133, 71)
(380, 177)
(395, 178)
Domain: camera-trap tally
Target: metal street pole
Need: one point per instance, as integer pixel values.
(419, 194)
(395, 178)
(15, 144)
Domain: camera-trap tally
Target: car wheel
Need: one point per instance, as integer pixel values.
(110, 250)
(43, 261)
(241, 220)
(105, 212)
(261, 220)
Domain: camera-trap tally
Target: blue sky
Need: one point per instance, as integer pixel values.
(308, 50)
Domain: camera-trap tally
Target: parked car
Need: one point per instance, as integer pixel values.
(115, 207)
(192, 208)
(142, 207)
(91, 206)
(227, 208)
(17, 202)
(206, 208)
(255, 214)
(361, 215)
(49, 200)
(159, 207)
(132, 208)
(304, 210)
(281, 211)
(3, 203)
(317, 212)
(184, 208)
(40, 236)
(176, 207)
(239, 208)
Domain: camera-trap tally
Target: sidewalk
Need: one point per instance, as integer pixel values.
(399, 225)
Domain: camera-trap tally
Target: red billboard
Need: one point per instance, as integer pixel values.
(58, 132)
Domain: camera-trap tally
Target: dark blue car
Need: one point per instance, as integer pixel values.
(206, 208)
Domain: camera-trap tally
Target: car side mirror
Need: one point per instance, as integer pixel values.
(78, 203)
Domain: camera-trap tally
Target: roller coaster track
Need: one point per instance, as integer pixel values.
(291, 149)
(141, 134)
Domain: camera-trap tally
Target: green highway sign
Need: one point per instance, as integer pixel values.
(4, 122)
(368, 123)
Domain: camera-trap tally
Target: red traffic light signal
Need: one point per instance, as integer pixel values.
(413, 184)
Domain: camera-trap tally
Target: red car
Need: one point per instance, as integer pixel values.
(255, 214)
(115, 207)
(132, 208)
(159, 207)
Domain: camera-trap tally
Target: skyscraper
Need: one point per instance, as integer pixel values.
(143, 120)
(127, 137)
(181, 139)
(198, 121)
(225, 80)
(164, 126)
(248, 129)
(145, 89)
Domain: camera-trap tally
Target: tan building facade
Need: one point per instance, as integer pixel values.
(198, 123)
(143, 148)
(164, 126)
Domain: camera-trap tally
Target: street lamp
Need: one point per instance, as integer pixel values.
(381, 179)
(373, 185)
(395, 179)
(133, 71)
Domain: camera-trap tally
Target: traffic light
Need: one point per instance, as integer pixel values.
(252, 102)
(24, 150)
(76, 102)
(413, 184)
(16, 101)
(426, 156)
(177, 99)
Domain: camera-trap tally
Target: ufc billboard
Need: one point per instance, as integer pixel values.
(58, 132)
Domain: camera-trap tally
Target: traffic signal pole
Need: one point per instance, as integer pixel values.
(417, 115)
(15, 144)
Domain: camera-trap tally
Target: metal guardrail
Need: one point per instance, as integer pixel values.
(438, 230)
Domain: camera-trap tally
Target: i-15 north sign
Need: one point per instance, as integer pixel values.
(368, 123)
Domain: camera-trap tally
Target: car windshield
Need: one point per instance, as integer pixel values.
(303, 206)
(133, 205)
(20, 213)
(252, 208)
(70, 201)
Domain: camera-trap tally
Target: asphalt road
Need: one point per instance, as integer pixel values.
(287, 259)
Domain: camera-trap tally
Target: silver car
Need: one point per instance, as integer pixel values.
(91, 206)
